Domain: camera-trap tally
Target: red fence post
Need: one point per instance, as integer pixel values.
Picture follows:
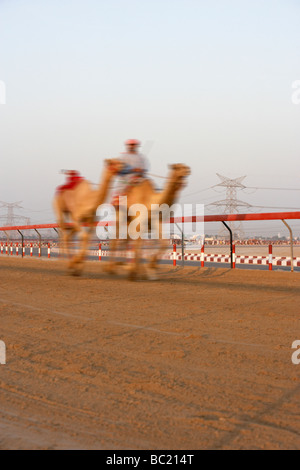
(49, 252)
(174, 254)
(30, 249)
(202, 256)
(11, 249)
(270, 257)
(100, 252)
(17, 249)
(233, 256)
(1, 248)
(39, 250)
(6, 248)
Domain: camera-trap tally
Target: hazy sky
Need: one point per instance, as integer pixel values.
(202, 82)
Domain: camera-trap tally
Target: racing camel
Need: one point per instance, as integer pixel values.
(75, 205)
(145, 193)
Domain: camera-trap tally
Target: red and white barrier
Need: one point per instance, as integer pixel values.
(270, 257)
(255, 260)
(212, 258)
(269, 260)
(202, 256)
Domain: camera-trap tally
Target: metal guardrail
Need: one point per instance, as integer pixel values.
(283, 216)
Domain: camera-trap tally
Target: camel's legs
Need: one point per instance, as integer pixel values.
(65, 235)
(68, 234)
(85, 234)
(115, 245)
(135, 270)
(162, 246)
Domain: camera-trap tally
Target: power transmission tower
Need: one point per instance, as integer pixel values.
(11, 219)
(231, 203)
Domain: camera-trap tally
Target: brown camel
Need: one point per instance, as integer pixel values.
(144, 193)
(76, 211)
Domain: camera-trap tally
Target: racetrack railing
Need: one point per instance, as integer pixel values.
(7, 247)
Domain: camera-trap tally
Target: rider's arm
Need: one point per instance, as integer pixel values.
(126, 170)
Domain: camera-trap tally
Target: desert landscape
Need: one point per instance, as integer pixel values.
(200, 359)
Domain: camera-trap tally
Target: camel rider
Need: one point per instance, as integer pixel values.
(72, 179)
(135, 168)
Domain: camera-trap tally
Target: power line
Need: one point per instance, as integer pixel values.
(273, 189)
(277, 207)
(243, 188)
(199, 191)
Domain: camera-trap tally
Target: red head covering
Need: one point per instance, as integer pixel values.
(132, 142)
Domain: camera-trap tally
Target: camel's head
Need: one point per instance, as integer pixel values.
(114, 165)
(179, 174)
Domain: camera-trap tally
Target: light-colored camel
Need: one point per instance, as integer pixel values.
(145, 194)
(76, 212)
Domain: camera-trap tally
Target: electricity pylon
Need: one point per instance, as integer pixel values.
(232, 203)
(11, 219)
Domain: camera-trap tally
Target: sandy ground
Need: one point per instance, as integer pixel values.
(198, 360)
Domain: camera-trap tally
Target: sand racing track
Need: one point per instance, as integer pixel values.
(198, 360)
